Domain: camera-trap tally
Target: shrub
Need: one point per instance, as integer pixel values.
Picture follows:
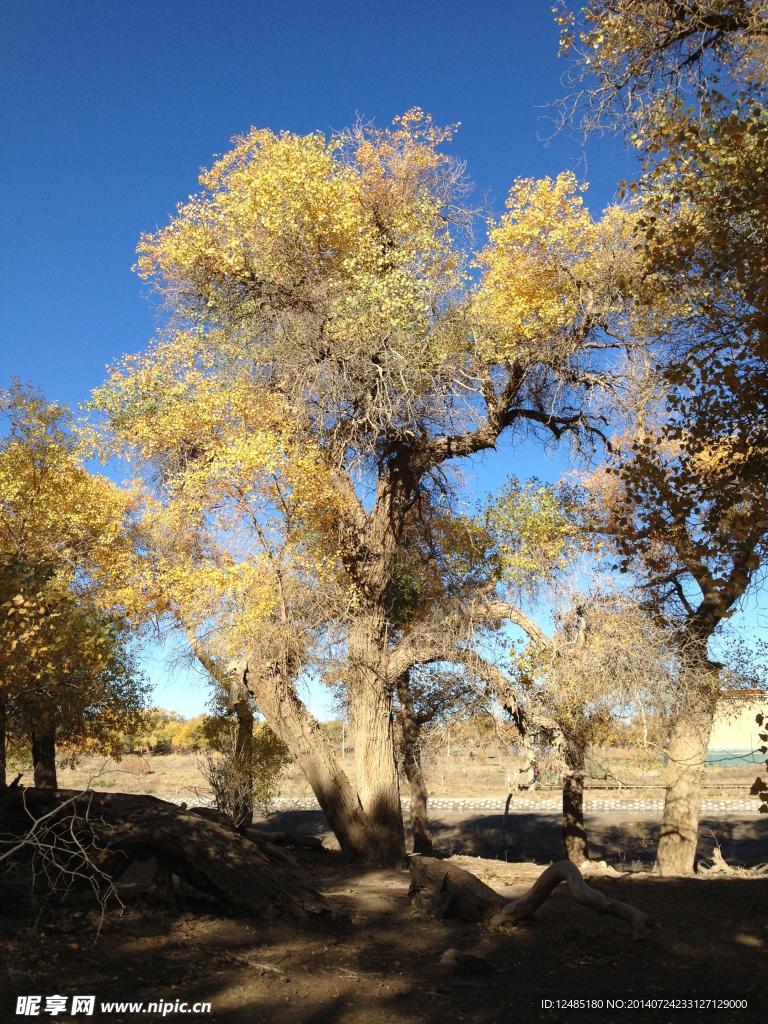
(241, 777)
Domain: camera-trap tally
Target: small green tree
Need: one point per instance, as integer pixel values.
(242, 770)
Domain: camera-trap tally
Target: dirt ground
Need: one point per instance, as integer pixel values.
(377, 962)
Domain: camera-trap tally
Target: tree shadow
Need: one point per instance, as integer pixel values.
(380, 962)
(538, 838)
(377, 961)
(621, 838)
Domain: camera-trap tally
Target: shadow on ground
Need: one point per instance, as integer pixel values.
(625, 839)
(377, 962)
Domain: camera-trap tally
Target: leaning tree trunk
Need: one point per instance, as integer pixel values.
(410, 729)
(289, 719)
(376, 773)
(574, 832)
(44, 755)
(687, 752)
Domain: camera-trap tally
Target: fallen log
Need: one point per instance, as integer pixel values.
(247, 873)
(441, 889)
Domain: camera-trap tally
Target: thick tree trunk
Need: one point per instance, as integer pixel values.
(410, 729)
(44, 756)
(574, 832)
(243, 816)
(290, 720)
(687, 752)
(376, 773)
(372, 720)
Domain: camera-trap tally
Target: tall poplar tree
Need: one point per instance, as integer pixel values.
(332, 346)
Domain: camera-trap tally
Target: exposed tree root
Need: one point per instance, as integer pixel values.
(441, 889)
(599, 869)
(458, 962)
(719, 865)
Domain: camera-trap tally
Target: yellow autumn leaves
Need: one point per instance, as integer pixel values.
(350, 224)
(551, 268)
(356, 229)
(323, 299)
(57, 519)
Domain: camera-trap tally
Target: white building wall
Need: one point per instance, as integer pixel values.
(735, 727)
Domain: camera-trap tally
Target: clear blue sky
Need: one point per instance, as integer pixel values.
(109, 109)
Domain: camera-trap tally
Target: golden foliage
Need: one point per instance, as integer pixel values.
(350, 223)
(324, 322)
(550, 269)
(66, 562)
(65, 535)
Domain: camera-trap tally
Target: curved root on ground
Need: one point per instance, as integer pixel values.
(441, 889)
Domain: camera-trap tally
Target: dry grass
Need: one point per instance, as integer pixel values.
(482, 774)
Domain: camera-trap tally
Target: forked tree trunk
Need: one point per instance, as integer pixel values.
(687, 752)
(574, 832)
(289, 719)
(44, 756)
(244, 759)
(376, 773)
(410, 729)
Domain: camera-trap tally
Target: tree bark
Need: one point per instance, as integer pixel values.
(410, 730)
(117, 829)
(440, 889)
(289, 719)
(44, 756)
(376, 773)
(370, 560)
(243, 816)
(574, 832)
(687, 752)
